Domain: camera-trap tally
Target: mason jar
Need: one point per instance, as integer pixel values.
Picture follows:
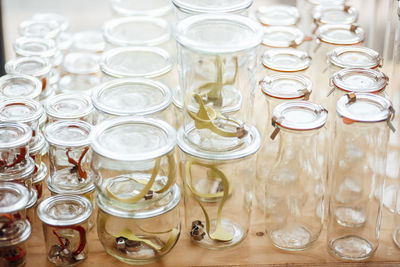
(218, 201)
(20, 85)
(334, 14)
(140, 236)
(65, 227)
(152, 8)
(277, 89)
(48, 29)
(130, 97)
(357, 175)
(133, 161)
(217, 55)
(64, 107)
(277, 15)
(88, 41)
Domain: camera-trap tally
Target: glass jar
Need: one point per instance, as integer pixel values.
(48, 29)
(278, 15)
(88, 41)
(82, 73)
(357, 174)
(69, 155)
(65, 226)
(141, 236)
(218, 201)
(334, 14)
(152, 8)
(133, 161)
(280, 60)
(217, 55)
(20, 85)
(129, 97)
(295, 185)
(277, 89)
(33, 66)
(186, 8)
(69, 107)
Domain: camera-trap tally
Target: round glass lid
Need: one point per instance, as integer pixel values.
(286, 59)
(14, 135)
(90, 41)
(278, 15)
(210, 6)
(154, 8)
(20, 85)
(282, 36)
(32, 46)
(341, 34)
(69, 106)
(61, 20)
(68, 133)
(133, 138)
(64, 210)
(123, 97)
(20, 110)
(81, 63)
(218, 33)
(355, 57)
(33, 66)
(137, 31)
(13, 197)
(335, 14)
(39, 28)
(360, 80)
(364, 107)
(146, 62)
(286, 86)
(300, 115)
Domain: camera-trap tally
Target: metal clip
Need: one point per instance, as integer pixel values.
(306, 93)
(353, 28)
(390, 118)
(351, 98)
(276, 130)
(346, 8)
(331, 91)
(316, 22)
(293, 44)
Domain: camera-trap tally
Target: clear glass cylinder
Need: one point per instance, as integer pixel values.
(133, 161)
(357, 176)
(218, 201)
(277, 15)
(217, 55)
(143, 236)
(20, 85)
(295, 186)
(65, 227)
(132, 97)
(64, 107)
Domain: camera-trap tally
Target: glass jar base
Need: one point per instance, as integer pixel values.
(351, 247)
(293, 237)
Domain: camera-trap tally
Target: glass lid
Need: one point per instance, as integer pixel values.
(286, 86)
(335, 14)
(154, 8)
(20, 110)
(61, 20)
(68, 133)
(218, 33)
(69, 106)
(19, 233)
(299, 115)
(64, 210)
(286, 59)
(124, 97)
(90, 41)
(133, 138)
(360, 80)
(13, 197)
(31, 46)
(33, 66)
(282, 36)
(278, 15)
(81, 63)
(137, 31)
(340, 34)
(39, 28)
(146, 62)
(355, 57)
(364, 107)
(14, 135)
(211, 6)
(20, 85)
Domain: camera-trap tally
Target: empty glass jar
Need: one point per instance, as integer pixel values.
(65, 227)
(142, 236)
(20, 85)
(357, 174)
(69, 107)
(278, 15)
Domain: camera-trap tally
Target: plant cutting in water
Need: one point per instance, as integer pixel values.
(78, 164)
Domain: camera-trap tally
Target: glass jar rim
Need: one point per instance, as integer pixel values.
(49, 47)
(83, 106)
(23, 129)
(334, 57)
(379, 78)
(13, 66)
(50, 28)
(292, 12)
(71, 58)
(117, 111)
(78, 201)
(34, 83)
(304, 59)
(190, 6)
(36, 109)
(109, 31)
(160, 53)
(351, 12)
(297, 36)
(267, 86)
(22, 197)
(314, 115)
(46, 16)
(358, 34)
(24, 231)
(235, 22)
(52, 135)
(156, 12)
(148, 212)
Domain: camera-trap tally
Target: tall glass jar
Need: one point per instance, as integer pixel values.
(278, 15)
(69, 107)
(130, 97)
(133, 161)
(65, 227)
(357, 174)
(20, 85)
(218, 201)
(217, 55)
(295, 186)
(141, 236)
